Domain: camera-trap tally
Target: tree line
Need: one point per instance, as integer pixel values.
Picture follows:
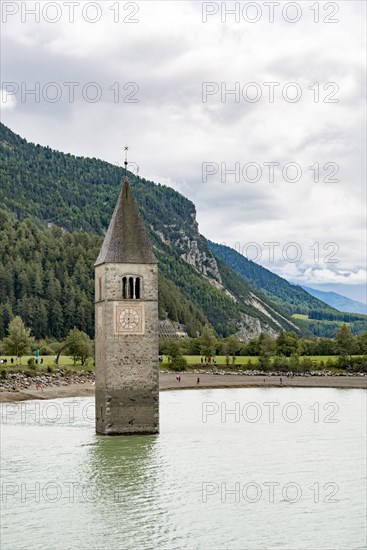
(20, 342)
(283, 351)
(46, 278)
(336, 316)
(286, 349)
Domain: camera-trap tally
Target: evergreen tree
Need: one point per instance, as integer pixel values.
(173, 349)
(207, 342)
(266, 348)
(345, 343)
(234, 346)
(19, 340)
(287, 344)
(362, 343)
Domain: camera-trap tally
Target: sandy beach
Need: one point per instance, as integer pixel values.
(168, 381)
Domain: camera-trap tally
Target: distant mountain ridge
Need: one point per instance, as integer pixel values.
(321, 318)
(292, 298)
(338, 301)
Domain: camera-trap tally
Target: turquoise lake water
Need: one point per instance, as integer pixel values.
(252, 468)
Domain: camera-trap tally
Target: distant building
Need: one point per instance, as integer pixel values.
(126, 307)
(168, 331)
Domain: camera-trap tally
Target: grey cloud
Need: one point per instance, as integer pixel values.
(171, 131)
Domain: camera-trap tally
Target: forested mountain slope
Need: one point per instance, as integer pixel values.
(292, 298)
(62, 193)
(317, 316)
(47, 277)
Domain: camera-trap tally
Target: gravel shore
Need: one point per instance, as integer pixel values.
(19, 387)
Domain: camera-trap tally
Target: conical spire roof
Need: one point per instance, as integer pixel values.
(126, 240)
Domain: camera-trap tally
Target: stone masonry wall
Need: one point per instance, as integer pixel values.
(126, 364)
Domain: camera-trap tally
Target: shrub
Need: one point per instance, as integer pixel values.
(280, 363)
(306, 364)
(178, 364)
(31, 363)
(293, 363)
(55, 347)
(264, 362)
(4, 373)
(357, 364)
(45, 349)
(89, 364)
(343, 362)
(30, 373)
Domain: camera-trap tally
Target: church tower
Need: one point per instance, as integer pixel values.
(126, 310)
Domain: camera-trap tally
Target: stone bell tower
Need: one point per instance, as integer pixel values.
(126, 310)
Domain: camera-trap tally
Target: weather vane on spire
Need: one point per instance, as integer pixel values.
(126, 163)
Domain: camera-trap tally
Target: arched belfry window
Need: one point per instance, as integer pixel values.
(131, 288)
(137, 288)
(124, 288)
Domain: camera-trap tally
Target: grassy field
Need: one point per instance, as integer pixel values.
(300, 316)
(243, 360)
(48, 360)
(220, 360)
(192, 360)
(304, 317)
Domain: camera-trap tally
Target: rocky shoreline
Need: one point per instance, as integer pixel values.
(17, 381)
(20, 387)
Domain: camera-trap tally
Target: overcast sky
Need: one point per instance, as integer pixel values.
(155, 75)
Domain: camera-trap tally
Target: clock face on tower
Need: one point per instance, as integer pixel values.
(129, 318)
